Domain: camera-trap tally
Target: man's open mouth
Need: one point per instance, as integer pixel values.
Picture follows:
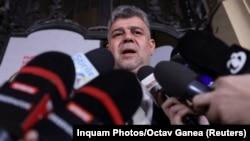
(125, 51)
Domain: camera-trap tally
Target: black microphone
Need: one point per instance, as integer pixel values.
(146, 76)
(113, 97)
(92, 64)
(60, 119)
(207, 52)
(179, 81)
(204, 76)
(27, 97)
(109, 99)
(59, 123)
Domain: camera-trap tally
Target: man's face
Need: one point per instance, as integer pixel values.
(130, 43)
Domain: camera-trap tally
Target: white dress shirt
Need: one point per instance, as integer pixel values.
(143, 116)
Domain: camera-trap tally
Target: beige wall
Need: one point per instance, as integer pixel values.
(231, 22)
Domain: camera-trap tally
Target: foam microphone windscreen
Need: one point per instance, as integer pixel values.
(102, 59)
(204, 50)
(173, 77)
(48, 76)
(144, 71)
(178, 80)
(61, 120)
(113, 97)
(205, 76)
(50, 69)
(199, 47)
(176, 57)
(92, 64)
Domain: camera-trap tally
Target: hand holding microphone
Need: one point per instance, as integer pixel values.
(207, 52)
(180, 82)
(228, 103)
(182, 113)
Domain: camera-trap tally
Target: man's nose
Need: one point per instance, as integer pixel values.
(128, 37)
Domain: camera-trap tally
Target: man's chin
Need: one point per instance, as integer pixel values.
(128, 66)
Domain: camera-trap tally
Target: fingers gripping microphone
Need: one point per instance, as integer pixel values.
(113, 97)
(146, 76)
(208, 52)
(47, 77)
(92, 64)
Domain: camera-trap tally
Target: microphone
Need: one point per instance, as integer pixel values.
(210, 53)
(113, 97)
(61, 120)
(204, 76)
(27, 97)
(92, 64)
(146, 76)
(102, 101)
(178, 80)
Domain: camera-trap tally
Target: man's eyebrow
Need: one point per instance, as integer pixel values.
(136, 27)
(117, 29)
(131, 28)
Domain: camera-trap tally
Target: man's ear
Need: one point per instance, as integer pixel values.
(107, 45)
(152, 46)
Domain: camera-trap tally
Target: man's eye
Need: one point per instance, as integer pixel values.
(117, 34)
(137, 33)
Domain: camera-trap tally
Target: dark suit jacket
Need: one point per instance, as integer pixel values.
(159, 117)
